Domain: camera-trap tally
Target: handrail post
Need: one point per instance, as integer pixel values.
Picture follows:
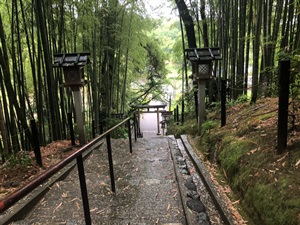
(223, 103)
(93, 129)
(129, 135)
(70, 121)
(110, 161)
(135, 127)
(84, 195)
(36, 147)
(283, 108)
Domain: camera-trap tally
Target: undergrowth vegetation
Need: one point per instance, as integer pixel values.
(244, 150)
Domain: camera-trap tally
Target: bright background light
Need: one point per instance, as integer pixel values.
(161, 8)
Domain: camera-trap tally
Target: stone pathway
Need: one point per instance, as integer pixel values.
(146, 188)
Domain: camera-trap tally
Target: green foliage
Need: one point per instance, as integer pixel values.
(167, 33)
(267, 184)
(295, 78)
(189, 127)
(189, 100)
(208, 125)
(239, 100)
(22, 159)
(232, 151)
(274, 195)
(120, 132)
(152, 76)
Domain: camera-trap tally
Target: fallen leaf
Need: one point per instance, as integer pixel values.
(92, 210)
(252, 151)
(224, 173)
(278, 160)
(103, 184)
(297, 163)
(78, 206)
(125, 188)
(175, 194)
(236, 202)
(59, 205)
(100, 212)
(74, 199)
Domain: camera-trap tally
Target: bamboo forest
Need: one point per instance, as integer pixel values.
(135, 57)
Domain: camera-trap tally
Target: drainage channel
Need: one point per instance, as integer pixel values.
(202, 201)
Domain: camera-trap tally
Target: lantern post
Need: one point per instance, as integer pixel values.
(72, 64)
(202, 65)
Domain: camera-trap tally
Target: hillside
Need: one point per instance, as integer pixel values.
(243, 155)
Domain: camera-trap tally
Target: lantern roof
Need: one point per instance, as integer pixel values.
(71, 59)
(203, 54)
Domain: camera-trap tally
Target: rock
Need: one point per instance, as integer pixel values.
(180, 160)
(184, 171)
(203, 219)
(189, 184)
(195, 205)
(9, 184)
(177, 153)
(66, 149)
(182, 166)
(193, 195)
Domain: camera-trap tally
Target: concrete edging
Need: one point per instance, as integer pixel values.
(190, 216)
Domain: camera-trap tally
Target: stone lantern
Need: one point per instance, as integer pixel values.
(202, 66)
(72, 64)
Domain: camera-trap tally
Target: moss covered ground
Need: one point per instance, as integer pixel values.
(267, 184)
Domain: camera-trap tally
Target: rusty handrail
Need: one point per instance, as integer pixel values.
(20, 193)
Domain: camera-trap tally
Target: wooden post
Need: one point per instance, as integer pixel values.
(93, 129)
(129, 136)
(71, 128)
(139, 119)
(111, 165)
(284, 85)
(36, 147)
(158, 128)
(223, 103)
(177, 114)
(182, 112)
(135, 126)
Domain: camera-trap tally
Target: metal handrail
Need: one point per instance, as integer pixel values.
(20, 193)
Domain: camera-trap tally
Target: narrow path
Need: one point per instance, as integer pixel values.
(146, 188)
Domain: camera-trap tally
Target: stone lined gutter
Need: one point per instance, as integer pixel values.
(225, 214)
(193, 207)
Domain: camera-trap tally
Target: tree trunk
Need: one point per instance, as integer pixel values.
(249, 27)
(54, 120)
(241, 51)
(9, 88)
(256, 46)
(188, 23)
(204, 21)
